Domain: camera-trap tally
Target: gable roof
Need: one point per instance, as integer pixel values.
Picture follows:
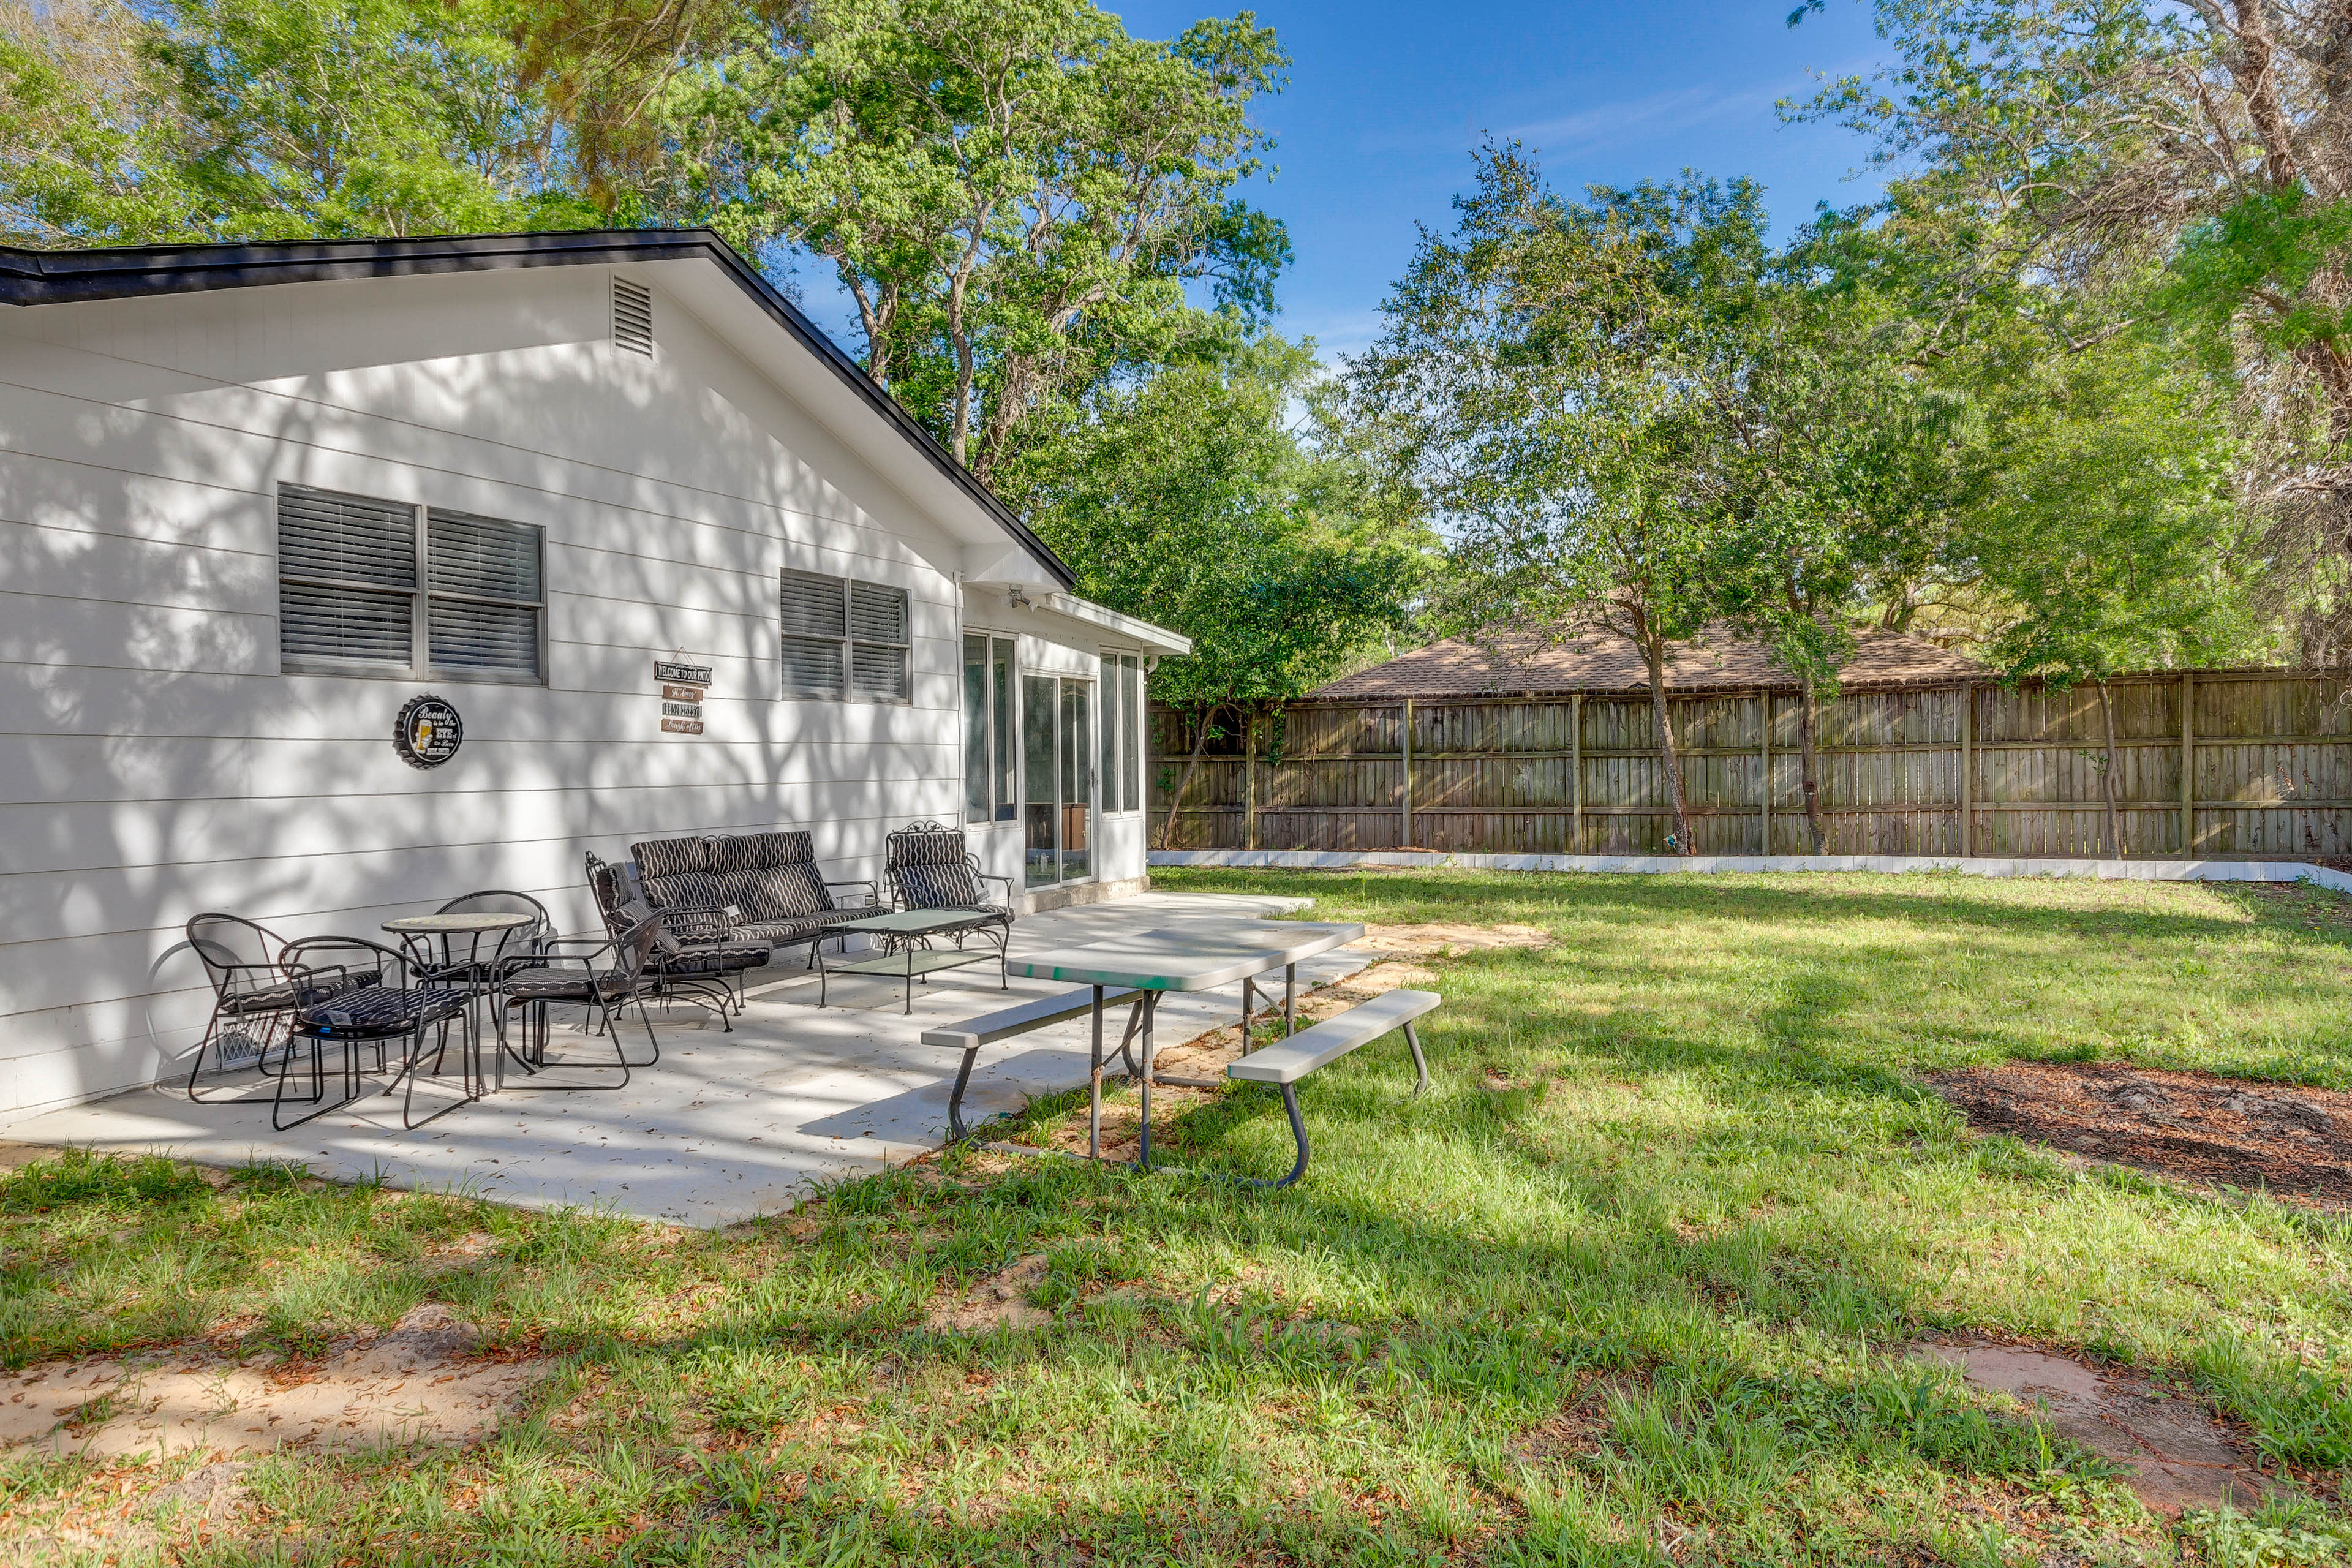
(1599, 662)
(65, 276)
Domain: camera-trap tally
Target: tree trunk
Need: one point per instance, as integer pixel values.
(1808, 778)
(1192, 766)
(2107, 777)
(1669, 758)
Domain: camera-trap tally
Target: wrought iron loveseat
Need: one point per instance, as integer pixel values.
(762, 887)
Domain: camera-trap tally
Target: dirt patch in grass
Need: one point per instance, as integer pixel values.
(1450, 939)
(2177, 1455)
(999, 1301)
(422, 1381)
(2295, 1141)
(1208, 1055)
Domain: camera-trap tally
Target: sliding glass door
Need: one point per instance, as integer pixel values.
(1058, 752)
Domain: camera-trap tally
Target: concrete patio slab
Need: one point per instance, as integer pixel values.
(728, 1126)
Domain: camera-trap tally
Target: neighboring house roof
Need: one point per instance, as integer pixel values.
(1598, 662)
(64, 277)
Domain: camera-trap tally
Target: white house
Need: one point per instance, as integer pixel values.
(677, 566)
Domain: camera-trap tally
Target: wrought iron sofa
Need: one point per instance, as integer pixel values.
(751, 886)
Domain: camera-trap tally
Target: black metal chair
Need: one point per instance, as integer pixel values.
(487, 956)
(696, 959)
(547, 977)
(251, 986)
(930, 868)
(358, 1017)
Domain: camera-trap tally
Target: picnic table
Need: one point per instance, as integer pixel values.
(1157, 962)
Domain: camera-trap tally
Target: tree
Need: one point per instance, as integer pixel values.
(2091, 141)
(208, 120)
(1015, 193)
(1187, 499)
(1554, 378)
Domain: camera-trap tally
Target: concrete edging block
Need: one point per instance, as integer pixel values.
(1659, 865)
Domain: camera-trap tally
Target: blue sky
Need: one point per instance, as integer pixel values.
(1386, 102)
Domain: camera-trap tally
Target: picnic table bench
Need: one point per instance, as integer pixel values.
(1140, 969)
(971, 1034)
(1318, 1045)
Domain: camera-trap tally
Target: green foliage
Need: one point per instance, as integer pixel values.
(2174, 173)
(77, 1176)
(1015, 192)
(201, 119)
(1186, 499)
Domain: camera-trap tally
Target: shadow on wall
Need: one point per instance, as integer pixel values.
(167, 769)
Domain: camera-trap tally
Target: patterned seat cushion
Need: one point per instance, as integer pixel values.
(287, 993)
(376, 1010)
(687, 891)
(786, 933)
(762, 893)
(566, 985)
(939, 886)
(671, 856)
(718, 957)
(263, 999)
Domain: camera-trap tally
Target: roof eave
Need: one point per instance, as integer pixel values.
(30, 277)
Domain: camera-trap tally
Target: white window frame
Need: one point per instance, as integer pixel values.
(420, 594)
(849, 642)
(1001, 654)
(1118, 666)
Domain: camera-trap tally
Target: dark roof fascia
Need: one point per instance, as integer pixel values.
(64, 277)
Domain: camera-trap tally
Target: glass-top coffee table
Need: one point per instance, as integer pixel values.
(908, 931)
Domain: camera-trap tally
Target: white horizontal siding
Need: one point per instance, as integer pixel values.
(153, 764)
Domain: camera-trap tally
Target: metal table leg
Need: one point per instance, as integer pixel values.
(1150, 999)
(1289, 1000)
(1094, 1086)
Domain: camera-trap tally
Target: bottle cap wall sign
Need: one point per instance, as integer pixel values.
(427, 732)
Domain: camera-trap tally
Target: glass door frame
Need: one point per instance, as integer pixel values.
(1052, 707)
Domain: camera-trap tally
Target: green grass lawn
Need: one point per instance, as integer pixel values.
(1628, 1285)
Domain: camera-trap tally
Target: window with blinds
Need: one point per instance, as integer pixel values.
(844, 639)
(372, 586)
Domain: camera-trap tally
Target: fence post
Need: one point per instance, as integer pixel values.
(1764, 750)
(1404, 777)
(2188, 766)
(1576, 772)
(1249, 779)
(1968, 771)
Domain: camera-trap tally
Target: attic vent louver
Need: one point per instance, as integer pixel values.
(632, 317)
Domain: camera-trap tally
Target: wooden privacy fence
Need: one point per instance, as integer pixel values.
(2211, 763)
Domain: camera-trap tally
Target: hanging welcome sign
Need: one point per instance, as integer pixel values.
(427, 732)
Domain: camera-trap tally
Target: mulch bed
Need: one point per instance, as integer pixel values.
(2295, 1141)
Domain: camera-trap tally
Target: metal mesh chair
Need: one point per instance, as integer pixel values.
(549, 977)
(251, 986)
(930, 868)
(696, 959)
(356, 1017)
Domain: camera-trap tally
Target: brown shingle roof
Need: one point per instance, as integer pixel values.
(1599, 662)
